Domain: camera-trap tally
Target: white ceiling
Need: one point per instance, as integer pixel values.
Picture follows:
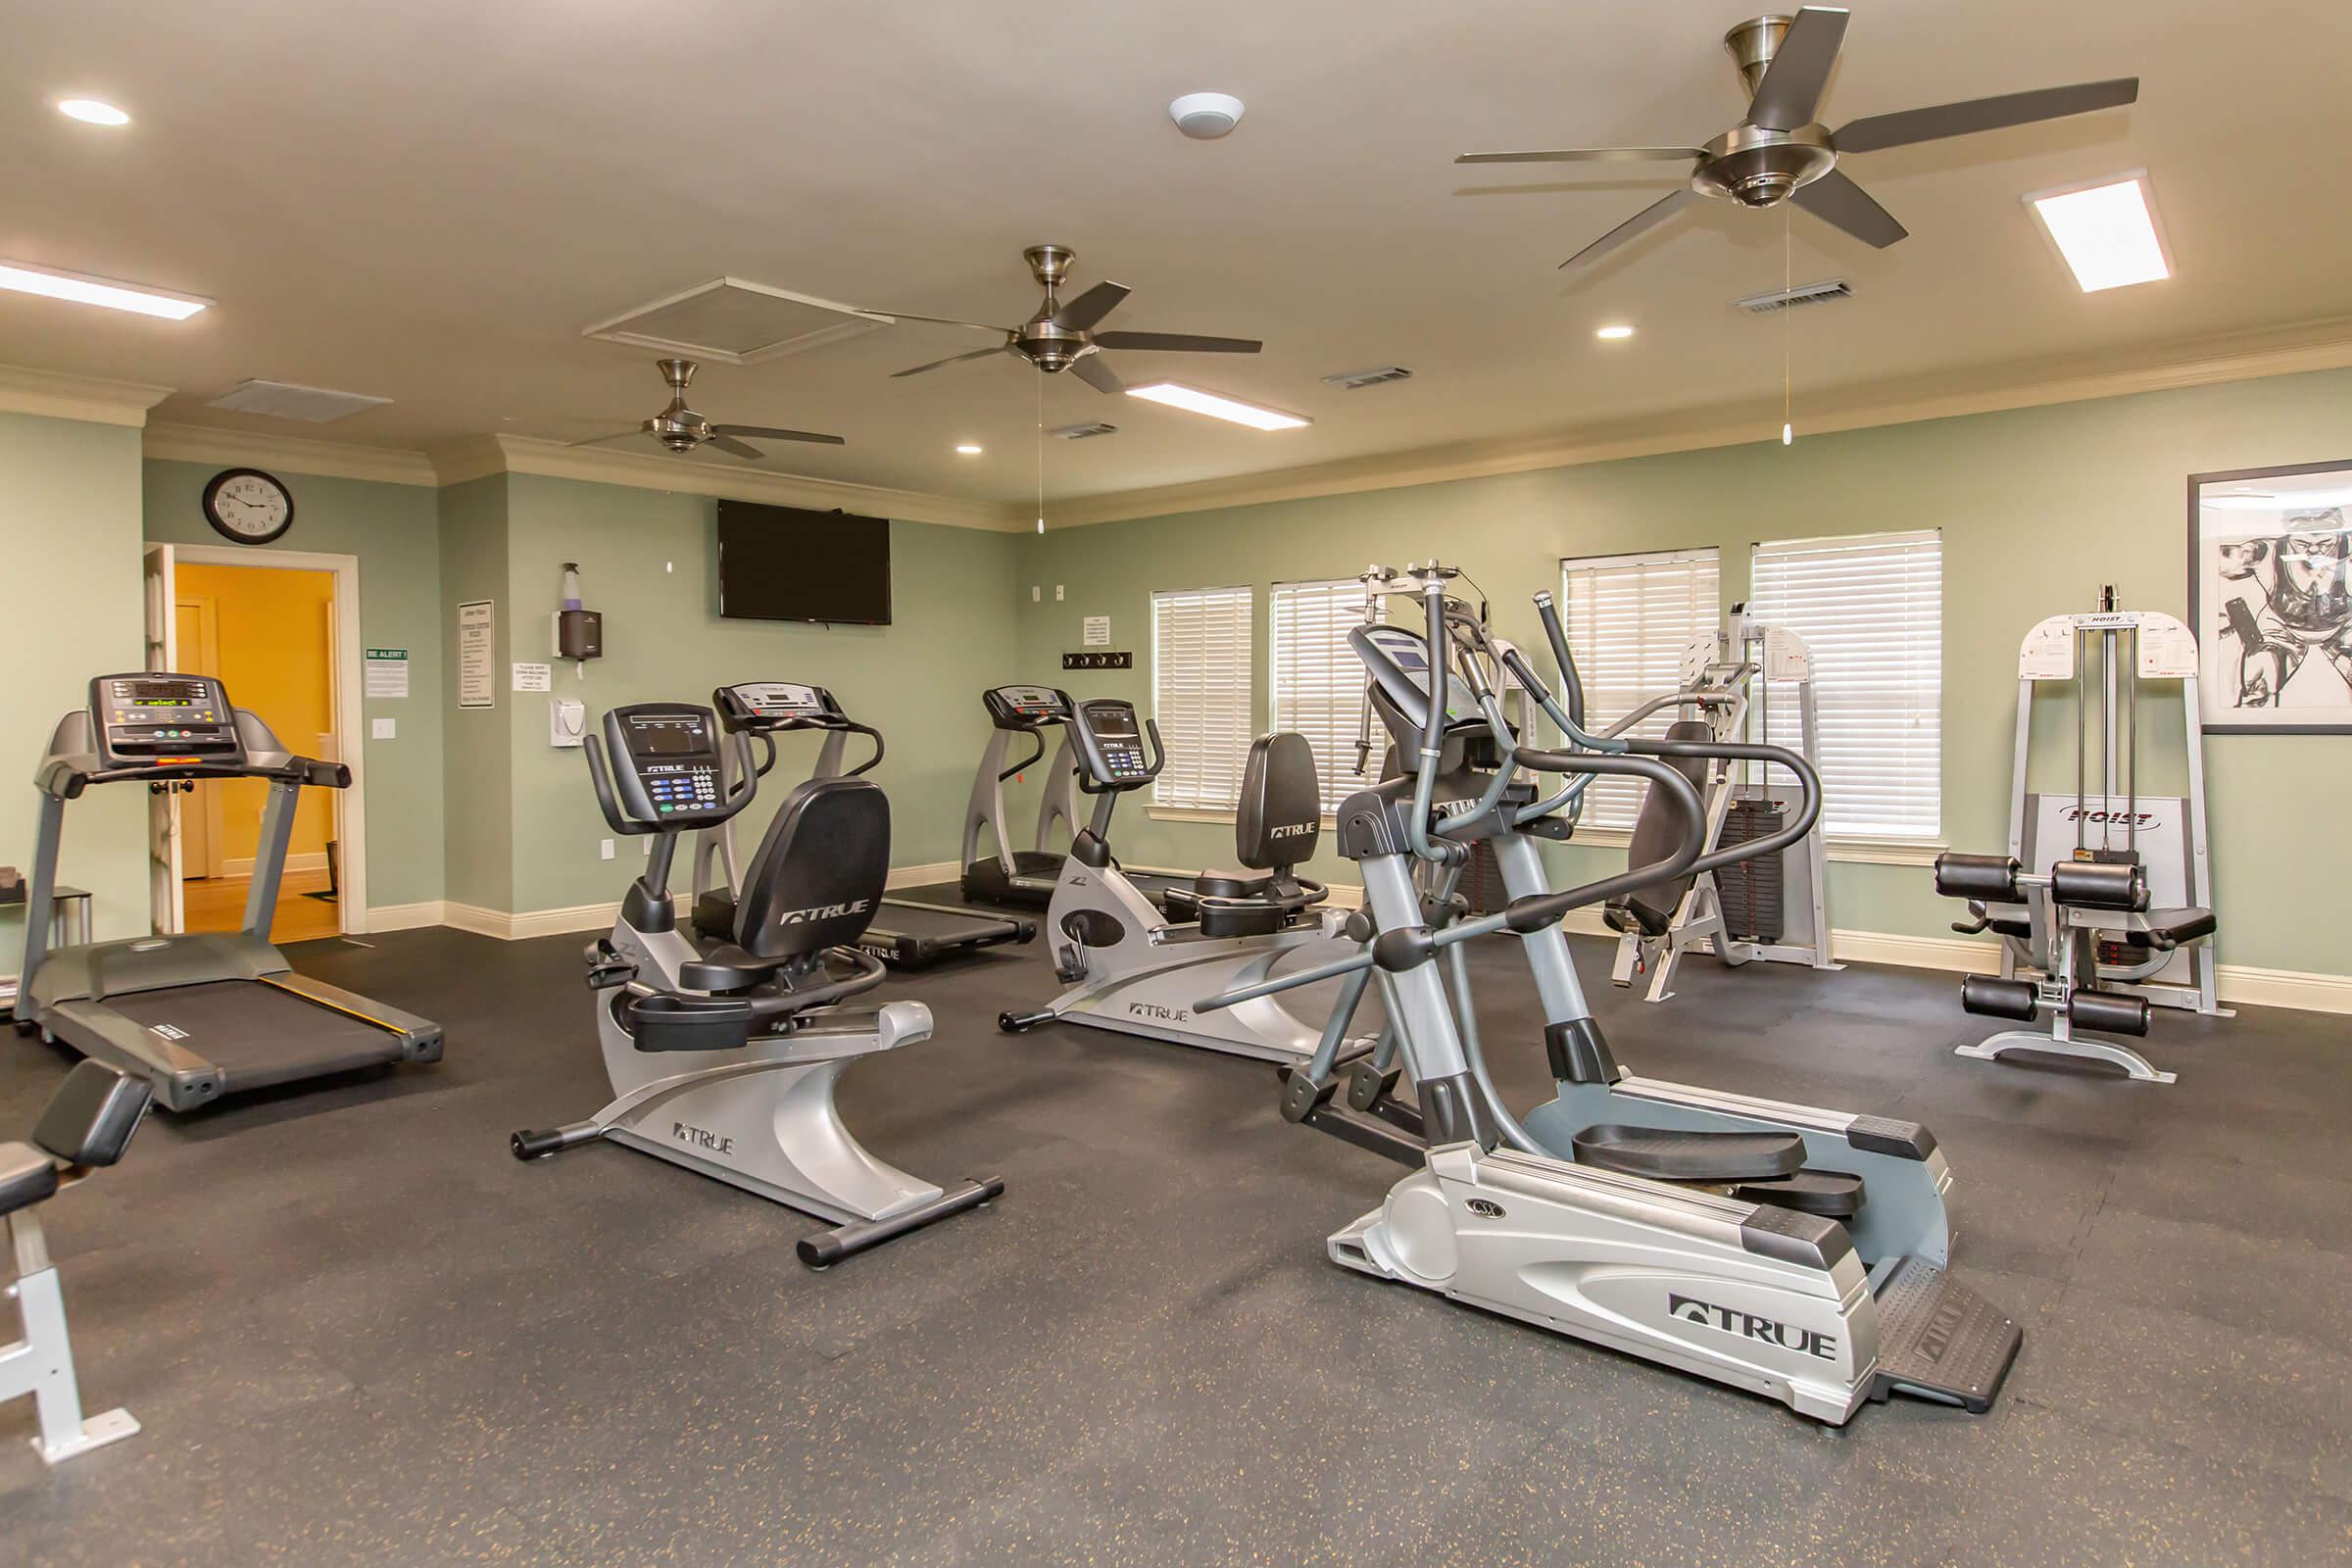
(428, 201)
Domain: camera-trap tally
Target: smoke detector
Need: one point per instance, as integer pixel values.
(1206, 115)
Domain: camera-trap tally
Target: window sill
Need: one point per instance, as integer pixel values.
(1842, 852)
(1208, 813)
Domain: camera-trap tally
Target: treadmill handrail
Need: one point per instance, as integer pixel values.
(66, 778)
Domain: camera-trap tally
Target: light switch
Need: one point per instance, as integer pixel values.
(381, 730)
(608, 849)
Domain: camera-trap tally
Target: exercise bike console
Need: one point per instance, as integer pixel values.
(656, 769)
(1110, 747)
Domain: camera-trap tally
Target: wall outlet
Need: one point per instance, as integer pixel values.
(1036, 595)
(608, 849)
(1058, 593)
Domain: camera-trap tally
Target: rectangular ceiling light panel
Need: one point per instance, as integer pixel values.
(83, 289)
(735, 322)
(2106, 232)
(1176, 395)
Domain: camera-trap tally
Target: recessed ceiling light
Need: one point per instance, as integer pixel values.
(93, 111)
(83, 289)
(1178, 396)
(970, 448)
(2106, 232)
(1613, 332)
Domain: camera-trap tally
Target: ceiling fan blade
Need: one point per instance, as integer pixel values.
(734, 448)
(1793, 84)
(1648, 217)
(1838, 200)
(1899, 129)
(1589, 154)
(600, 440)
(953, 359)
(1182, 342)
(774, 434)
(939, 320)
(1093, 373)
(1091, 306)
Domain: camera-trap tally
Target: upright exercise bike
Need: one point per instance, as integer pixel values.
(1133, 968)
(1793, 1252)
(724, 1057)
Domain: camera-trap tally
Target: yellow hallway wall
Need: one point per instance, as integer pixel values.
(275, 661)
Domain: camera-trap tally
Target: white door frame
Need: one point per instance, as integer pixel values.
(351, 804)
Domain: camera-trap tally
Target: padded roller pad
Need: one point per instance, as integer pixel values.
(1993, 877)
(2172, 927)
(1829, 1194)
(2092, 885)
(1687, 1157)
(26, 1176)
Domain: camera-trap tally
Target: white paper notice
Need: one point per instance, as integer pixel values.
(386, 673)
(1097, 632)
(2049, 650)
(531, 677)
(478, 638)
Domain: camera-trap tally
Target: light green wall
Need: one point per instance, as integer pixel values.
(69, 533)
(2037, 507)
(647, 560)
(478, 855)
(394, 530)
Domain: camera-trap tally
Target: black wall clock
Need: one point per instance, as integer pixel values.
(247, 507)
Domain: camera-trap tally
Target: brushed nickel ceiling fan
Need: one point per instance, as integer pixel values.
(681, 429)
(1062, 337)
(1778, 153)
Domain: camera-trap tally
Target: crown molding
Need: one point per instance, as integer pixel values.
(23, 390)
(477, 456)
(2243, 357)
(290, 454)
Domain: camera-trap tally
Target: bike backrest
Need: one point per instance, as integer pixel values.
(819, 872)
(1281, 814)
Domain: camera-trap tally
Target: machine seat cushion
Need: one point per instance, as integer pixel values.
(1281, 813)
(1668, 1156)
(2173, 927)
(1243, 920)
(26, 1176)
(89, 1120)
(1233, 884)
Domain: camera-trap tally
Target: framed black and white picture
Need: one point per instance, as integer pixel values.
(2269, 596)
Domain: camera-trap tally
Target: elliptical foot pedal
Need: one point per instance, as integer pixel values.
(1939, 1339)
(1666, 1156)
(1829, 1194)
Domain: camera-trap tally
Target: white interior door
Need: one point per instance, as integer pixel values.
(163, 808)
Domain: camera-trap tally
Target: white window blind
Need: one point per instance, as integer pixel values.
(1871, 608)
(1630, 620)
(1201, 694)
(1318, 682)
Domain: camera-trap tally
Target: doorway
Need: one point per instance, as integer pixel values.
(268, 633)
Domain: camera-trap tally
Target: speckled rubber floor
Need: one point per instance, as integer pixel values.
(357, 1331)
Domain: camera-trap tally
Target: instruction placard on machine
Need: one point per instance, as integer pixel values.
(385, 672)
(478, 638)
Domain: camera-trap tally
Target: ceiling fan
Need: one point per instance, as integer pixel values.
(681, 429)
(1062, 337)
(1778, 153)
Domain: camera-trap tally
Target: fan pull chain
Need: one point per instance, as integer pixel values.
(1041, 450)
(1787, 325)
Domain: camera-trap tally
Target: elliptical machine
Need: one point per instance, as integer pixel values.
(724, 1057)
(1725, 1234)
(1129, 967)
(1000, 873)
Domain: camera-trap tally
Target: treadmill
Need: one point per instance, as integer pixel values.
(1007, 876)
(205, 1014)
(905, 933)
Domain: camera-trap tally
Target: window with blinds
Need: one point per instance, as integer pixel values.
(1630, 620)
(1318, 682)
(1871, 608)
(1201, 694)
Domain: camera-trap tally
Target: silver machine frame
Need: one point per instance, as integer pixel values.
(2150, 645)
(1820, 1315)
(1721, 689)
(41, 1363)
(984, 810)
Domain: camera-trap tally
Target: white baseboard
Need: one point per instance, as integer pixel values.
(406, 916)
(1955, 955)
(917, 876)
(2285, 988)
(531, 922)
(237, 867)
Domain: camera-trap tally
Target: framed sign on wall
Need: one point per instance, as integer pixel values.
(2269, 596)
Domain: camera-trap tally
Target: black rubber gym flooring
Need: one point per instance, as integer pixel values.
(357, 1331)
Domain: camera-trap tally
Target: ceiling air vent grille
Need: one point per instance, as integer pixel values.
(1083, 432)
(283, 400)
(735, 322)
(1788, 299)
(1357, 381)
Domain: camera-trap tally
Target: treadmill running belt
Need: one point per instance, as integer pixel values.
(257, 1034)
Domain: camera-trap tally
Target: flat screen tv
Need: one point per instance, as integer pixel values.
(785, 564)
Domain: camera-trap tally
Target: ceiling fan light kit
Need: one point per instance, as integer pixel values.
(681, 429)
(1780, 153)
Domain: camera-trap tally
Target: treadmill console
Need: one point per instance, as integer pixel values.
(771, 705)
(1026, 706)
(665, 765)
(1397, 660)
(1111, 744)
(149, 719)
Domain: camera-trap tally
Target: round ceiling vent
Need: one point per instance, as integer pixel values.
(1206, 115)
